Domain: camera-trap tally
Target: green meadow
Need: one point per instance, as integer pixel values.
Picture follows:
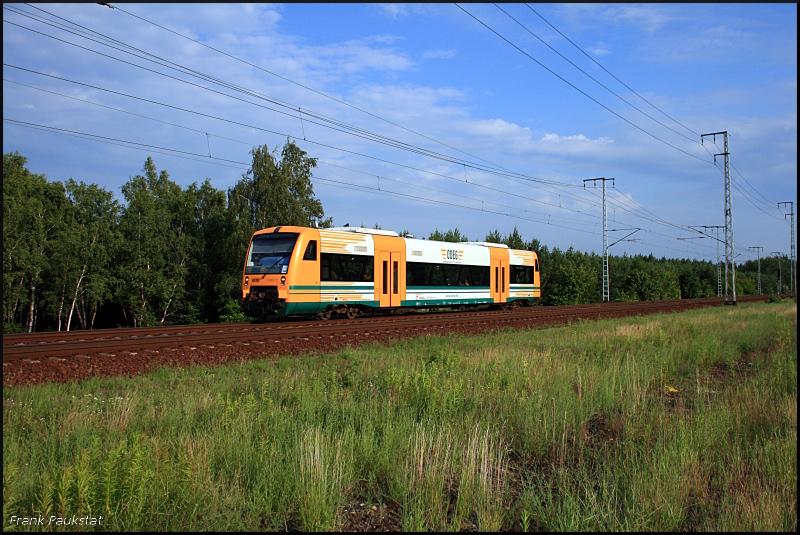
(669, 422)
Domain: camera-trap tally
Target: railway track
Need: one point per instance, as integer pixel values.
(61, 356)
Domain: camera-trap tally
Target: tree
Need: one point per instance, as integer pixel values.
(514, 240)
(277, 192)
(93, 230)
(453, 236)
(157, 227)
(32, 214)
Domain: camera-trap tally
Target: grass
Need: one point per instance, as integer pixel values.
(671, 422)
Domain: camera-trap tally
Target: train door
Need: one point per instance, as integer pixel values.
(505, 277)
(499, 279)
(390, 282)
(383, 282)
(494, 280)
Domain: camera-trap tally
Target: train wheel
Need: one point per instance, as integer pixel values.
(352, 312)
(325, 315)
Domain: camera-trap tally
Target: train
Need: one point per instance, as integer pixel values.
(352, 271)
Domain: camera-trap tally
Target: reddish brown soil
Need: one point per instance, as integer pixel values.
(63, 357)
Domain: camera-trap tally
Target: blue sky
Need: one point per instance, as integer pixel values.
(450, 86)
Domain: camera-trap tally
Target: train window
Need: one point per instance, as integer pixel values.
(437, 277)
(311, 251)
(451, 274)
(480, 275)
(394, 277)
(417, 273)
(537, 265)
(496, 277)
(349, 268)
(504, 280)
(425, 274)
(385, 277)
(270, 253)
(522, 274)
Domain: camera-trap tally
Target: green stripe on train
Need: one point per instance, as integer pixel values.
(354, 288)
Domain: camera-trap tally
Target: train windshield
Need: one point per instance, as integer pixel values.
(270, 253)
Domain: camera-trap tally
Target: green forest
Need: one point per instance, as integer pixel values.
(76, 258)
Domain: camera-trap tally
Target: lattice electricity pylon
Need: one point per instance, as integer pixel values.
(793, 257)
(758, 249)
(606, 279)
(777, 255)
(730, 290)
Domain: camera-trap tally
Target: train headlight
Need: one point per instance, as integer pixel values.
(283, 281)
(246, 281)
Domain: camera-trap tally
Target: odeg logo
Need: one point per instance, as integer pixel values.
(452, 255)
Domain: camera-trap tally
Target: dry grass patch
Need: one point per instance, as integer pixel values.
(637, 330)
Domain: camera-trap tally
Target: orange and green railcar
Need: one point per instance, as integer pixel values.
(298, 271)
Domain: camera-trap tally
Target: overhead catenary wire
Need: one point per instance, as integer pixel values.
(117, 8)
(579, 200)
(179, 108)
(225, 162)
(332, 123)
(577, 89)
(611, 74)
(558, 184)
(319, 160)
(254, 127)
(595, 79)
(482, 186)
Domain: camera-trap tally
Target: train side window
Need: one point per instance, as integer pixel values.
(350, 268)
(451, 274)
(394, 277)
(496, 279)
(480, 275)
(311, 251)
(325, 268)
(385, 277)
(417, 273)
(504, 280)
(537, 265)
(437, 276)
(522, 274)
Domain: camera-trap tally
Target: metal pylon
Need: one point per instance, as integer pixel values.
(758, 249)
(730, 265)
(792, 257)
(606, 278)
(719, 269)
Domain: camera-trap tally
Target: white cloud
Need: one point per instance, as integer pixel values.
(648, 17)
(601, 49)
(403, 10)
(438, 54)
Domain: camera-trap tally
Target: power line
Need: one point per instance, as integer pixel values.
(593, 78)
(248, 92)
(337, 125)
(609, 72)
(307, 88)
(220, 161)
(576, 88)
(258, 128)
(127, 144)
(307, 140)
(480, 170)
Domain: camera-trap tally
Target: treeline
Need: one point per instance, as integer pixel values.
(571, 277)
(75, 258)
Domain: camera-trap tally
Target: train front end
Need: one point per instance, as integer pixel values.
(278, 258)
